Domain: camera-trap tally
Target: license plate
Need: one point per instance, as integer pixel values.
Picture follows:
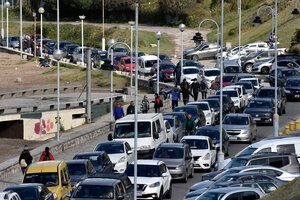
(233, 137)
(297, 96)
(256, 118)
(139, 193)
(171, 76)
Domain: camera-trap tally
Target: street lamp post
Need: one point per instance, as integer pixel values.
(41, 11)
(257, 21)
(34, 35)
(103, 37)
(181, 28)
(58, 56)
(240, 27)
(82, 17)
(157, 36)
(111, 43)
(21, 30)
(131, 41)
(2, 28)
(296, 11)
(7, 5)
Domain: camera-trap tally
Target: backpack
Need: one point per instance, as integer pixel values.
(47, 157)
(160, 104)
(23, 163)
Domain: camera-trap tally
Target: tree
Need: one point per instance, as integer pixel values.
(173, 7)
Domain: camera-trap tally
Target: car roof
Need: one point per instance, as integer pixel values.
(174, 145)
(187, 106)
(253, 78)
(25, 185)
(169, 116)
(263, 155)
(174, 113)
(277, 140)
(209, 128)
(113, 142)
(196, 137)
(210, 69)
(44, 165)
(148, 162)
(95, 153)
(238, 115)
(254, 167)
(190, 67)
(149, 57)
(232, 189)
(79, 161)
(99, 181)
(141, 117)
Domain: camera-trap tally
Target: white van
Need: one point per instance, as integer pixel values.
(151, 132)
(145, 63)
(283, 144)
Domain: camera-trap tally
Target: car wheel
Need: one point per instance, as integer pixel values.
(248, 68)
(192, 173)
(185, 178)
(265, 70)
(169, 193)
(195, 57)
(161, 194)
(251, 139)
(280, 112)
(284, 111)
(227, 152)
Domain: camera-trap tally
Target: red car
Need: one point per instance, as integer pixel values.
(126, 62)
(227, 80)
(167, 71)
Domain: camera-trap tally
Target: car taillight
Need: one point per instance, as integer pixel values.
(271, 66)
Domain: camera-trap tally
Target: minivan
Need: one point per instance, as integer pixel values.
(151, 132)
(145, 63)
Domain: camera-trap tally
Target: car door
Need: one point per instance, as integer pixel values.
(166, 178)
(129, 153)
(213, 150)
(107, 164)
(90, 169)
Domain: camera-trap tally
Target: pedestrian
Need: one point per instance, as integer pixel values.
(118, 112)
(46, 155)
(189, 125)
(145, 105)
(177, 75)
(271, 38)
(195, 87)
(158, 103)
(185, 89)
(25, 158)
(175, 97)
(166, 92)
(130, 108)
(203, 88)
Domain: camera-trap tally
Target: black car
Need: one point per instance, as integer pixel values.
(215, 104)
(283, 74)
(247, 62)
(99, 159)
(261, 110)
(49, 47)
(190, 63)
(292, 88)
(182, 116)
(226, 101)
(32, 191)
(80, 170)
(288, 56)
(140, 53)
(68, 50)
(214, 133)
(195, 111)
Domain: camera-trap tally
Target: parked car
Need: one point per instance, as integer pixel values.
(227, 102)
(240, 127)
(292, 88)
(247, 62)
(176, 126)
(204, 50)
(230, 67)
(9, 195)
(77, 54)
(190, 63)
(99, 58)
(99, 159)
(120, 50)
(153, 179)
(35, 191)
(68, 50)
(255, 81)
(213, 132)
(169, 131)
(126, 63)
(62, 44)
(13, 41)
(80, 170)
(282, 75)
(290, 63)
(207, 110)
(243, 96)
(49, 47)
(163, 57)
(178, 159)
(209, 75)
(166, 70)
(238, 77)
(189, 73)
(145, 63)
(250, 90)
(261, 110)
(182, 116)
(140, 53)
(119, 152)
(263, 67)
(227, 80)
(197, 115)
(215, 104)
(235, 97)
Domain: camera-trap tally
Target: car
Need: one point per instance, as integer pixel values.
(242, 94)
(93, 53)
(163, 57)
(238, 77)
(166, 71)
(215, 104)
(13, 41)
(197, 115)
(189, 73)
(154, 180)
(77, 54)
(256, 46)
(182, 116)
(290, 63)
(292, 88)
(145, 64)
(208, 74)
(120, 50)
(240, 127)
(213, 132)
(39, 44)
(99, 188)
(227, 102)
(169, 131)
(99, 159)
(49, 47)
(178, 159)
(255, 81)
(247, 62)
(261, 110)
(68, 50)
(35, 191)
(235, 97)
(190, 63)
(80, 170)
(62, 44)
(269, 92)
(99, 58)
(176, 126)
(282, 75)
(204, 50)
(9, 195)
(126, 62)
(230, 67)
(250, 90)
(207, 110)
(227, 80)
(288, 56)
(263, 67)
(140, 53)
(203, 151)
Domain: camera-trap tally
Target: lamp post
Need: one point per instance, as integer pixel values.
(157, 36)
(21, 30)
(257, 21)
(58, 55)
(240, 28)
(131, 41)
(82, 17)
(7, 5)
(41, 11)
(296, 11)
(2, 29)
(103, 38)
(34, 35)
(181, 28)
(111, 43)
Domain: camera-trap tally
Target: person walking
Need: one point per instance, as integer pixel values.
(185, 89)
(166, 92)
(203, 88)
(118, 112)
(158, 103)
(195, 87)
(46, 155)
(130, 108)
(175, 97)
(271, 37)
(177, 74)
(25, 158)
(189, 125)
(145, 105)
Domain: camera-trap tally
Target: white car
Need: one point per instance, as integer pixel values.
(242, 92)
(234, 95)
(255, 81)
(209, 75)
(153, 179)
(119, 152)
(169, 131)
(189, 73)
(10, 195)
(207, 110)
(263, 67)
(203, 151)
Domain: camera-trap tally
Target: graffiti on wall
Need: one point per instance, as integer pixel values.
(44, 127)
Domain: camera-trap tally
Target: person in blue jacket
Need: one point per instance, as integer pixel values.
(175, 97)
(118, 112)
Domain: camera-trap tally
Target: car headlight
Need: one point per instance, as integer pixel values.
(156, 184)
(206, 157)
(244, 131)
(180, 167)
(287, 91)
(54, 195)
(145, 147)
(122, 159)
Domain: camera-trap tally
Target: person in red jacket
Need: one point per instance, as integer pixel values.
(158, 103)
(46, 155)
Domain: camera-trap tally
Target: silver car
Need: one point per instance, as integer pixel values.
(240, 127)
(77, 54)
(176, 126)
(204, 50)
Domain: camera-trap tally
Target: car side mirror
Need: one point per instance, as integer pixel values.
(258, 57)
(155, 135)
(164, 174)
(212, 110)
(64, 183)
(129, 152)
(168, 130)
(109, 137)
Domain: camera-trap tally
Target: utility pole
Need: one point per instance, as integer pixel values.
(88, 87)
(103, 38)
(34, 15)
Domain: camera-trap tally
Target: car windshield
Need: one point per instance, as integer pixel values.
(167, 66)
(169, 153)
(236, 120)
(232, 69)
(190, 71)
(212, 195)
(288, 73)
(202, 106)
(95, 160)
(227, 79)
(128, 61)
(150, 63)
(213, 134)
(225, 173)
(191, 63)
(231, 93)
(196, 143)
(126, 130)
(293, 83)
(236, 162)
(26, 193)
(62, 45)
(268, 93)
(76, 169)
(14, 39)
(260, 104)
(144, 171)
(253, 81)
(247, 151)
(189, 110)
(110, 148)
(248, 86)
(212, 73)
(71, 48)
(94, 192)
(120, 50)
(48, 179)
(51, 44)
(214, 103)
(171, 121)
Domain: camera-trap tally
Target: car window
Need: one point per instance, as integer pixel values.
(234, 196)
(250, 195)
(278, 162)
(286, 148)
(267, 187)
(270, 172)
(176, 122)
(264, 150)
(154, 127)
(168, 125)
(62, 178)
(158, 125)
(121, 188)
(262, 178)
(262, 161)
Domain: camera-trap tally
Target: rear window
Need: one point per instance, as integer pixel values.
(286, 148)
(279, 162)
